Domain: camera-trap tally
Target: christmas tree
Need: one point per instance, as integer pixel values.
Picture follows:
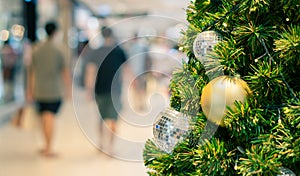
(254, 54)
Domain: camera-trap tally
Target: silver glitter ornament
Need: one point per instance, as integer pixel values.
(203, 46)
(285, 172)
(169, 128)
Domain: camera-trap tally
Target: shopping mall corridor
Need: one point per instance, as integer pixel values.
(76, 135)
(76, 141)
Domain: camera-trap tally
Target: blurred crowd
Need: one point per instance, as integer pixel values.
(142, 64)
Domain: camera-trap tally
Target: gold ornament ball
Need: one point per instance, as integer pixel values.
(221, 93)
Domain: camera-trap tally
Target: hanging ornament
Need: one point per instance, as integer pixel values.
(202, 46)
(221, 93)
(169, 128)
(285, 172)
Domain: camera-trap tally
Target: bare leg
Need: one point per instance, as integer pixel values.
(17, 119)
(101, 134)
(138, 94)
(112, 130)
(48, 125)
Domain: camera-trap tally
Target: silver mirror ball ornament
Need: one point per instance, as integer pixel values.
(203, 46)
(169, 128)
(285, 172)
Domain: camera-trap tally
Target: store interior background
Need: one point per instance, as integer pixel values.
(76, 137)
(80, 20)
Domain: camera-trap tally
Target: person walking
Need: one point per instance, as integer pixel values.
(9, 59)
(138, 58)
(47, 71)
(105, 62)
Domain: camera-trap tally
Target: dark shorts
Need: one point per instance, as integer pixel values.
(52, 106)
(108, 106)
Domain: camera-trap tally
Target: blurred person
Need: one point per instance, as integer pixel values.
(82, 50)
(138, 58)
(46, 72)
(17, 119)
(104, 62)
(165, 60)
(9, 64)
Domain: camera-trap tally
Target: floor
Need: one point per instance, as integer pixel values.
(76, 140)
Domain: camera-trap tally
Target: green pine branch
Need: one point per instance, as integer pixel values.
(261, 42)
